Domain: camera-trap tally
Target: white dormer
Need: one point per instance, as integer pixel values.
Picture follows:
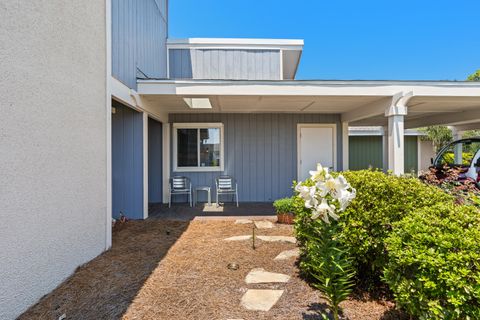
(233, 59)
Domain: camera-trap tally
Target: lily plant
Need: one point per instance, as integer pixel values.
(324, 196)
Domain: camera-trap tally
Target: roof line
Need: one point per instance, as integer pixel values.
(312, 82)
(237, 41)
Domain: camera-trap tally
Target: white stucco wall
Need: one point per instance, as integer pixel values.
(52, 145)
(426, 154)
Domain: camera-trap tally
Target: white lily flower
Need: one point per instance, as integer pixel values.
(346, 198)
(308, 194)
(324, 210)
(320, 174)
(316, 199)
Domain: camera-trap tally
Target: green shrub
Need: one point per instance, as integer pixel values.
(381, 200)
(284, 205)
(434, 262)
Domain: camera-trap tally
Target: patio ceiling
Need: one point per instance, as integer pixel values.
(361, 103)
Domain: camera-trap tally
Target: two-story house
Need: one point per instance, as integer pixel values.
(100, 108)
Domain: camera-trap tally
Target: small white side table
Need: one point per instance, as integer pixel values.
(197, 189)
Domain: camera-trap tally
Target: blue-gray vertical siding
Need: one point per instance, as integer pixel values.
(230, 64)
(155, 164)
(260, 151)
(127, 162)
(139, 35)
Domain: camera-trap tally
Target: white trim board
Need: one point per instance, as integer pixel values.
(108, 120)
(235, 43)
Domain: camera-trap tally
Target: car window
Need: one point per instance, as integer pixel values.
(459, 154)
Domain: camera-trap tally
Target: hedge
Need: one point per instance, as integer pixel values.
(434, 262)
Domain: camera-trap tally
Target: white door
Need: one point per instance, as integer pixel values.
(316, 145)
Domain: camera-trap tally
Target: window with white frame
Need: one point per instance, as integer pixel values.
(198, 146)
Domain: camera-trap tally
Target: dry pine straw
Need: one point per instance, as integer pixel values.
(160, 269)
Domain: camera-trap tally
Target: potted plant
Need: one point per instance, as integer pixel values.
(284, 210)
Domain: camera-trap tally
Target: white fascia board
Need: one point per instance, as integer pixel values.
(285, 44)
(306, 88)
(378, 131)
(123, 94)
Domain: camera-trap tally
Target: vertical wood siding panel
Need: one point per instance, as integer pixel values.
(267, 132)
(230, 65)
(259, 62)
(214, 64)
(275, 65)
(250, 65)
(275, 155)
(260, 151)
(207, 71)
(238, 168)
(365, 152)
(127, 162)
(155, 174)
(172, 64)
(138, 39)
(236, 74)
(186, 65)
(222, 65)
(411, 154)
(243, 65)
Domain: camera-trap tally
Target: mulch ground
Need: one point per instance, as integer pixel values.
(160, 269)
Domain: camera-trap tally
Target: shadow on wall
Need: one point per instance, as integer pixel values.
(106, 286)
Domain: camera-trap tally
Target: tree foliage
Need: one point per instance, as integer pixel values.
(439, 135)
(474, 76)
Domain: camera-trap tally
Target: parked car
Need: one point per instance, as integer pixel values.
(463, 154)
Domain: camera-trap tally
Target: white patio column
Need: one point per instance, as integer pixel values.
(345, 146)
(396, 145)
(458, 152)
(145, 164)
(385, 148)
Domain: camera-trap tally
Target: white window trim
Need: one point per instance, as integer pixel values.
(198, 125)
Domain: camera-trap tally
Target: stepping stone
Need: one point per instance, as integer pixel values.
(260, 300)
(243, 221)
(259, 275)
(238, 238)
(263, 224)
(277, 239)
(287, 254)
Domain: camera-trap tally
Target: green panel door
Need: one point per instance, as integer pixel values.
(365, 152)
(411, 154)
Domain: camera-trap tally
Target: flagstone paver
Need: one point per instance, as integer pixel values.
(287, 254)
(243, 221)
(265, 224)
(260, 299)
(278, 238)
(259, 275)
(238, 238)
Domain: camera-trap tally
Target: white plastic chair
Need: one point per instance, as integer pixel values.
(226, 185)
(180, 185)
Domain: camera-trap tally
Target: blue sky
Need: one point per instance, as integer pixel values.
(389, 40)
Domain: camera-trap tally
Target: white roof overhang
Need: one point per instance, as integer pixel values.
(361, 103)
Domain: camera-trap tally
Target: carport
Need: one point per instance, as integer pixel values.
(395, 105)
